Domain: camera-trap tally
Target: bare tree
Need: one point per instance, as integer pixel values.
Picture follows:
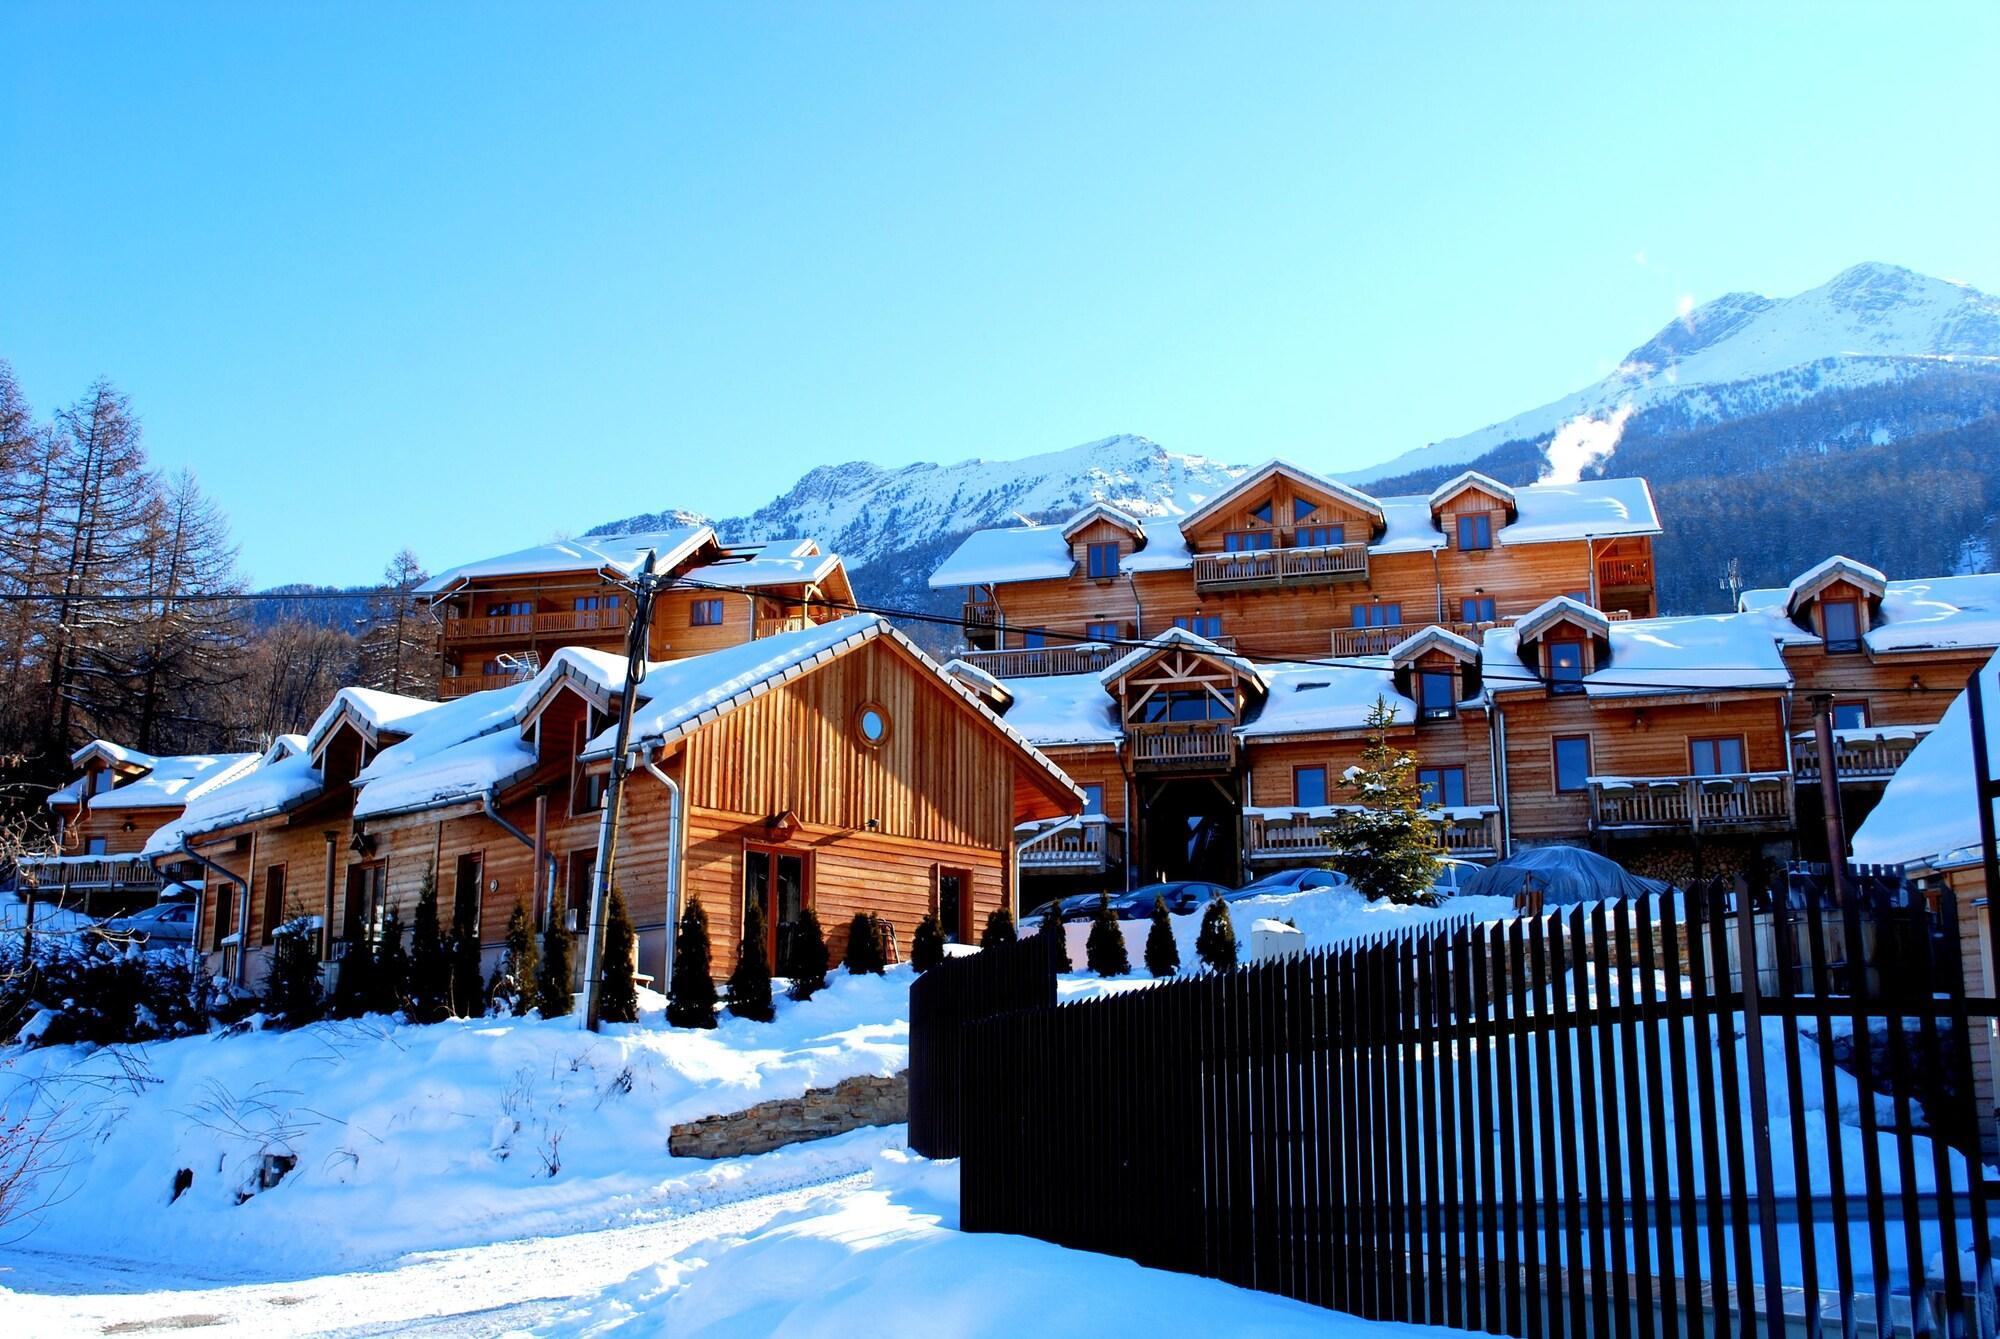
(290, 671)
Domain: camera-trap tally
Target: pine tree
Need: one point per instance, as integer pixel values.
(292, 988)
(1216, 944)
(430, 963)
(468, 993)
(514, 979)
(618, 992)
(392, 969)
(927, 943)
(554, 977)
(999, 929)
(399, 649)
(1053, 936)
(1163, 954)
(750, 983)
(354, 985)
(805, 956)
(1388, 848)
(1104, 952)
(691, 1000)
(864, 945)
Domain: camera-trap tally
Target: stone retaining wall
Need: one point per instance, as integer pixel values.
(819, 1114)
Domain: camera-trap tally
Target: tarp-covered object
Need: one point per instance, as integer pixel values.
(1565, 876)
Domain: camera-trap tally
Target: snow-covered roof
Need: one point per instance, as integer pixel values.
(175, 781)
(284, 746)
(773, 565)
(1042, 553)
(258, 792)
(1452, 487)
(1921, 614)
(979, 681)
(1055, 709)
(372, 709)
(1560, 609)
(1929, 812)
(463, 771)
(1184, 640)
(1271, 469)
(1591, 509)
(621, 555)
(111, 752)
(1433, 638)
(1305, 699)
(1823, 574)
(1655, 656)
(1101, 511)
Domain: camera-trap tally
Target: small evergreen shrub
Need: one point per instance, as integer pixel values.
(292, 990)
(513, 990)
(805, 956)
(468, 995)
(691, 1000)
(999, 929)
(430, 963)
(927, 943)
(354, 978)
(1052, 935)
(1387, 846)
(750, 983)
(555, 975)
(1104, 952)
(1163, 955)
(1216, 944)
(866, 945)
(618, 988)
(101, 993)
(392, 970)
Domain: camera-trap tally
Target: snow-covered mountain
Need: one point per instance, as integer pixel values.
(1745, 354)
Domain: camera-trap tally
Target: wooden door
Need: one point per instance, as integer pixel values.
(776, 879)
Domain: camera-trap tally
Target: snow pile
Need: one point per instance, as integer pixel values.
(1929, 813)
(1062, 709)
(407, 1137)
(1308, 699)
(1709, 652)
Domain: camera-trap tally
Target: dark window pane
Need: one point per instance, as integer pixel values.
(1572, 762)
(1476, 609)
(1475, 531)
(1842, 622)
(1850, 715)
(1308, 786)
(951, 893)
(1437, 693)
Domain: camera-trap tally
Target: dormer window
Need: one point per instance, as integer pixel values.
(1475, 530)
(1262, 511)
(1437, 695)
(1565, 667)
(1102, 561)
(1840, 625)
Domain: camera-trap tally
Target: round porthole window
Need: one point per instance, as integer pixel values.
(873, 723)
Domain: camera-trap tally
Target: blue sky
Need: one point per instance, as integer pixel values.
(465, 276)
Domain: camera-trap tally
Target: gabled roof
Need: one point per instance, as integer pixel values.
(1561, 609)
(1486, 483)
(260, 791)
(1104, 511)
(610, 555)
(786, 563)
(1818, 577)
(996, 693)
(1271, 469)
(1433, 638)
(372, 712)
(1921, 614)
(1928, 815)
(165, 782)
(116, 754)
(1179, 639)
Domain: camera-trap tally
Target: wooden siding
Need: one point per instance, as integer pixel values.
(1883, 682)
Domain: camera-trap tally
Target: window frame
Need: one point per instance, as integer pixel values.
(1103, 630)
(1481, 525)
(1427, 712)
(1188, 622)
(1325, 785)
(1316, 535)
(1362, 615)
(1859, 704)
(1555, 763)
(1444, 800)
(773, 853)
(274, 909)
(1712, 742)
(707, 612)
(1844, 646)
(963, 932)
(1087, 787)
(1559, 686)
(1468, 613)
(881, 713)
(1095, 565)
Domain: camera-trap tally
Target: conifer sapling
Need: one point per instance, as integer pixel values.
(805, 956)
(1104, 951)
(555, 975)
(392, 969)
(865, 949)
(514, 979)
(691, 999)
(430, 964)
(292, 987)
(1163, 955)
(1052, 936)
(927, 943)
(1216, 944)
(1388, 847)
(750, 983)
(999, 929)
(618, 990)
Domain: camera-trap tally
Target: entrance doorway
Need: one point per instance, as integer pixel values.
(775, 880)
(1188, 830)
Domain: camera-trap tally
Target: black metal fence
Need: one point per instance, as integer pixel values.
(1591, 1122)
(942, 1001)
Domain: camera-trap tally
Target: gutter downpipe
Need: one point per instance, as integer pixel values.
(1496, 743)
(1138, 609)
(492, 813)
(676, 835)
(187, 849)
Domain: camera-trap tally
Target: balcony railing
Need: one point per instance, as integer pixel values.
(117, 871)
(1197, 746)
(1744, 800)
(1625, 573)
(1023, 662)
(461, 685)
(1302, 834)
(1080, 846)
(556, 623)
(1379, 641)
(1858, 755)
(1252, 568)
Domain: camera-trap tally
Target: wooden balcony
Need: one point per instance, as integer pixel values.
(1183, 746)
(1625, 574)
(1256, 569)
(1302, 834)
(980, 622)
(1864, 755)
(534, 627)
(1743, 802)
(462, 685)
(1082, 846)
(1379, 641)
(1024, 662)
(53, 873)
(771, 627)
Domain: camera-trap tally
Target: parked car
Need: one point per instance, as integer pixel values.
(1291, 881)
(1453, 875)
(1182, 896)
(167, 923)
(1076, 907)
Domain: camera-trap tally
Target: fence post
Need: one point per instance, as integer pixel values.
(1760, 1113)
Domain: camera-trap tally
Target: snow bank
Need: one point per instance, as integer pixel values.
(406, 1137)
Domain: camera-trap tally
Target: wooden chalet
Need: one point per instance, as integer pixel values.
(500, 618)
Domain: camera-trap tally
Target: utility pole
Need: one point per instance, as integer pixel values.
(644, 587)
(1829, 794)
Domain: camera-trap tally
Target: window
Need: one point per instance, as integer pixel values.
(586, 603)
(1565, 667)
(510, 609)
(777, 881)
(1101, 632)
(96, 846)
(1262, 511)
(1437, 695)
(872, 724)
(1442, 787)
(586, 789)
(1201, 625)
(1377, 615)
(1321, 536)
(1188, 704)
(1840, 624)
(705, 613)
(1475, 530)
(1033, 639)
(364, 901)
(1093, 797)
(1309, 787)
(1476, 609)
(467, 879)
(1850, 715)
(274, 901)
(1103, 560)
(1716, 757)
(954, 900)
(582, 873)
(1247, 541)
(1572, 762)
(224, 893)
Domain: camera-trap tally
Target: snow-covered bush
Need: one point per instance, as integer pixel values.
(1163, 955)
(1386, 844)
(292, 991)
(512, 990)
(1104, 952)
(91, 990)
